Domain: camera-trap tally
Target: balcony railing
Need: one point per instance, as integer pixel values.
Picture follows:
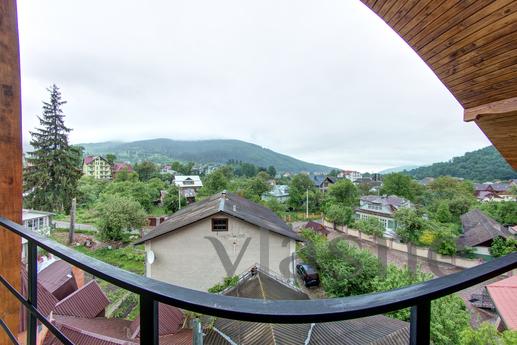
(418, 296)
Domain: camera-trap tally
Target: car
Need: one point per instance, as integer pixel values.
(308, 274)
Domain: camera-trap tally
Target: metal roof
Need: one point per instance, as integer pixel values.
(227, 203)
(504, 296)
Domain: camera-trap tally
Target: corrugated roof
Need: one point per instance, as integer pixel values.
(88, 302)
(58, 278)
(479, 228)
(170, 321)
(504, 296)
(227, 203)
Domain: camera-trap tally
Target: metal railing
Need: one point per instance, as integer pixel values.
(418, 297)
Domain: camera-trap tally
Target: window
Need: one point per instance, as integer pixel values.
(219, 224)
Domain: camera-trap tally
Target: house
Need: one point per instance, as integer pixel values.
(479, 231)
(383, 208)
(493, 192)
(212, 239)
(167, 169)
(425, 181)
(188, 186)
(350, 174)
(279, 192)
(38, 221)
(259, 283)
(504, 295)
(97, 167)
(323, 182)
(118, 167)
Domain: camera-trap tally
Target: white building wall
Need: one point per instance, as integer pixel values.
(186, 257)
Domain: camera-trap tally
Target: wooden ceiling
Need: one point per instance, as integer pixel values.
(471, 45)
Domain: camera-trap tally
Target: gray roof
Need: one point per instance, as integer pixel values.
(373, 330)
(479, 228)
(391, 200)
(498, 187)
(230, 204)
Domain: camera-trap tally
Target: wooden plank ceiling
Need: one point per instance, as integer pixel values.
(471, 45)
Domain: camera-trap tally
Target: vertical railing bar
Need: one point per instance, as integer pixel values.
(32, 291)
(148, 320)
(420, 324)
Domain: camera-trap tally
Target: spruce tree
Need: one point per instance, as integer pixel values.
(52, 172)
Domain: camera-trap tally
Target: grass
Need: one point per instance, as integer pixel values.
(129, 258)
(83, 216)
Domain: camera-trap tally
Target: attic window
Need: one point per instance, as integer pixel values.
(219, 224)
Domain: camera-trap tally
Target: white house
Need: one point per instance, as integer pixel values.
(188, 185)
(350, 174)
(218, 237)
(383, 208)
(280, 192)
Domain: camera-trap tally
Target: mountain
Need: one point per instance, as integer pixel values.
(398, 169)
(485, 164)
(201, 151)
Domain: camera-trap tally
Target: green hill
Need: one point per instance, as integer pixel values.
(201, 151)
(485, 164)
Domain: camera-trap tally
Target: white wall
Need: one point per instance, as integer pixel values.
(187, 258)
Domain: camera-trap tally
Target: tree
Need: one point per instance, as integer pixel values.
(339, 214)
(89, 190)
(274, 205)
(443, 214)
(52, 174)
(343, 192)
(409, 225)
(298, 188)
(271, 171)
(144, 193)
(449, 315)
(145, 170)
(126, 175)
(505, 212)
(216, 182)
(371, 226)
(487, 334)
(398, 184)
(110, 157)
(503, 246)
(117, 215)
(172, 198)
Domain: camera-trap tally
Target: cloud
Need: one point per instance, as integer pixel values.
(325, 82)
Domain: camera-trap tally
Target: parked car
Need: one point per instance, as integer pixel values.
(308, 274)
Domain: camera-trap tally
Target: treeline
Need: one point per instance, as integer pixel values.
(482, 165)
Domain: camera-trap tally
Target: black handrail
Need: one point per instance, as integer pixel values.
(151, 291)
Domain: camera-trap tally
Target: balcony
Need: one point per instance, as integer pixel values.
(462, 45)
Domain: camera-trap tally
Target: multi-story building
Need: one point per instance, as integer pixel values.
(383, 208)
(97, 167)
(350, 174)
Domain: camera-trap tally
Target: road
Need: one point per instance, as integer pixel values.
(66, 225)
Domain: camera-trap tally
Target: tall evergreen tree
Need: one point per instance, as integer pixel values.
(52, 173)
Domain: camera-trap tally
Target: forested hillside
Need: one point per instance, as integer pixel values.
(202, 151)
(485, 164)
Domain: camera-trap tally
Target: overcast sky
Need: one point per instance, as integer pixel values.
(323, 81)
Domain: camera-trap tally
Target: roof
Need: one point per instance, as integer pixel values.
(378, 330)
(32, 214)
(227, 203)
(504, 296)
(89, 159)
(320, 228)
(169, 322)
(391, 200)
(180, 180)
(479, 228)
(279, 190)
(58, 279)
(122, 166)
(87, 302)
(496, 187)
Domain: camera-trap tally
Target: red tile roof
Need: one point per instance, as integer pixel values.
(121, 166)
(88, 159)
(88, 302)
(504, 296)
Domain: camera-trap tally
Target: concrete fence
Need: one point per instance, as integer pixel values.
(391, 243)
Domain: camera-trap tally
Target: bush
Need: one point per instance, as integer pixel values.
(117, 215)
(502, 247)
(341, 215)
(227, 282)
(371, 226)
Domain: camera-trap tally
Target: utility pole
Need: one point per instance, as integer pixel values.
(307, 205)
(179, 198)
(71, 231)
